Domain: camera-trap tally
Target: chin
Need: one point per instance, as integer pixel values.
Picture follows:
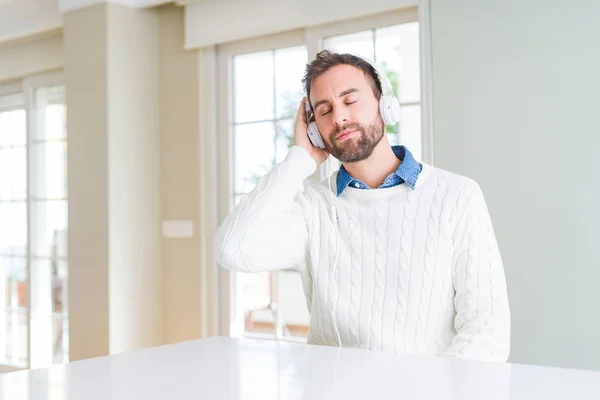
(349, 157)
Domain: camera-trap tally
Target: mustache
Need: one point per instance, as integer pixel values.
(337, 131)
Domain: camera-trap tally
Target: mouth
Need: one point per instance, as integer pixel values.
(345, 134)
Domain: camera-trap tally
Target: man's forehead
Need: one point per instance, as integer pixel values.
(338, 79)
(340, 75)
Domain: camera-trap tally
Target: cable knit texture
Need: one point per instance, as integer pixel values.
(419, 270)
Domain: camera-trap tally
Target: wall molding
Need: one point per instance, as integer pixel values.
(70, 5)
(246, 19)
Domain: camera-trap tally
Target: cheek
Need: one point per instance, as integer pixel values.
(364, 113)
(325, 125)
(369, 113)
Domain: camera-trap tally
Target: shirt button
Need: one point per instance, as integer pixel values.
(357, 184)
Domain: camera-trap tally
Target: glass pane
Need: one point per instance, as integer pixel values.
(256, 297)
(237, 198)
(16, 337)
(254, 151)
(14, 271)
(289, 70)
(393, 137)
(13, 229)
(13, 173)
(359, 44)
(56, 124)
(397, 50)
(410, 129)
(48, 310)
(50, 166)
(60, 340)
(59, 287)
(285, 138)
(294, 312)
(13, 126)
(49, 229)
(51, 116)
(253, 87)
(40, 322)
(13, 303)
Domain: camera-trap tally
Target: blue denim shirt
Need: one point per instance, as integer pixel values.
(408, 172)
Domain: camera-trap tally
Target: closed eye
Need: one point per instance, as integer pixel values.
(347, 103)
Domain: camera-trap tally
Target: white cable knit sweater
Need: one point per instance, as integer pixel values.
(419, 271)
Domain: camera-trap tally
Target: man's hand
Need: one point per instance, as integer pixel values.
(301, 136)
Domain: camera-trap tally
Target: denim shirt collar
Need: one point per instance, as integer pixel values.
(408, 171)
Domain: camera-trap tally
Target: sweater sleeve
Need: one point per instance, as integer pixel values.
(268, 230)
(482, 320)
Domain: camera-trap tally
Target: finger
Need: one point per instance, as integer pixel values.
(300, 117)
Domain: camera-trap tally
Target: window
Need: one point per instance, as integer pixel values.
(266, 95)
(260, 91)
(33, 228)
(263, 101)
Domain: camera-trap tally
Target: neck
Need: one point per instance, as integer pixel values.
(373, 170)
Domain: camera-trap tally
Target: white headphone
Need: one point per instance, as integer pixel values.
(389, 108)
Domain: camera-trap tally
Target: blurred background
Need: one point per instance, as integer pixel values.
(129, 129)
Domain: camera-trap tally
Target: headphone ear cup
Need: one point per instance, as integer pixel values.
(315, 136)
(389, 108)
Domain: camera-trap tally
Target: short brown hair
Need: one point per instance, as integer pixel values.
(327, 59)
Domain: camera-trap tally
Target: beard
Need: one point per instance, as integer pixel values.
(359, 147)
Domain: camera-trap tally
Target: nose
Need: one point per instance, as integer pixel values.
(340, 117)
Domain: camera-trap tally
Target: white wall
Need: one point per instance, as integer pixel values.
(134, 161)
(180, 179)
(87, 158)
(20, 18)
(516, 106)
(218, 21)
(33, 56)
(115, 253)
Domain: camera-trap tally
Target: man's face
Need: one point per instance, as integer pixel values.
(347, 113)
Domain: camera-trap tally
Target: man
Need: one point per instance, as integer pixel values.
(402, 257)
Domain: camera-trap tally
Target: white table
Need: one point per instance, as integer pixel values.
(224, 368)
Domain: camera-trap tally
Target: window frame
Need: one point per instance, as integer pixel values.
(226, 167)
(313, 38)
(27, 86)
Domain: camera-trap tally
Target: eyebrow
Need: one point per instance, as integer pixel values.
(342, 94)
